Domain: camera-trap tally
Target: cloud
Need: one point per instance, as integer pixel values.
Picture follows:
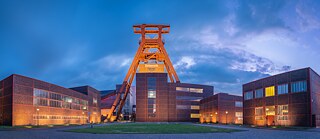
(185, 62)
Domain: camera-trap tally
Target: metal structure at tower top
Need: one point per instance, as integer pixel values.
(150, 55)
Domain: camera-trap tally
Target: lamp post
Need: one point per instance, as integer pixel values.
(216, 117)
(38, 119)
(226, 117)
(211, 117)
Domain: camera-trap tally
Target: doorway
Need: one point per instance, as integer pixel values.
(270, 114)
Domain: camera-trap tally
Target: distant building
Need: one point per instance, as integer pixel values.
(108, 97)
(287, 99)
(160, 101)
(27, 101)
(221, 108)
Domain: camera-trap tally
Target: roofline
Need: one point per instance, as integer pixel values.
(275, 75)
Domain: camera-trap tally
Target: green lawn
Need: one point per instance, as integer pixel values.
(140, 128)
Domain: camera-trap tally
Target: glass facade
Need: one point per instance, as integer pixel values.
(283, 89)
(258, 93)
(192, 90)
(152, 95)
(248, 95)
(52, 99)
(300, 86)
(269, 91)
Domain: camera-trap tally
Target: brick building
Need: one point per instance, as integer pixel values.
(160, 101)
(288, 99)
(27, 101)
(221, 108)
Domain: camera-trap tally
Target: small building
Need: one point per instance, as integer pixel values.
(108, 97)
(287, 99)
(160, 101)
(28, 101)
(221, 108)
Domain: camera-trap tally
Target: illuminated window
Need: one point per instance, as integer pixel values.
(195, 107)
(258, 93)
(196, 90)
(194, 115)
(152, 95)
(283, 111)
(269, 91)
(238, 104)
(239, 115)
(270, 110)
(300, 86)
(283, 89)
(184, 89)
(259, 113)
(248, 95)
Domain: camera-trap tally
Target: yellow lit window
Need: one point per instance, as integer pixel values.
(269, 91)
(195, 107)
(193, 115)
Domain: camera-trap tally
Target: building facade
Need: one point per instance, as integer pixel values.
(221, 108)
(160, 101)
(287, 99)
(27, 101)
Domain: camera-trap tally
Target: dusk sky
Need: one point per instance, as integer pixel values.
(222, 43)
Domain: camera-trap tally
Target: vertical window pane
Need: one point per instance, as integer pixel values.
(300, 86)
(269, 91)
(259, 93)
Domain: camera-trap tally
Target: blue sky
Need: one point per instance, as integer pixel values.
(222, 43)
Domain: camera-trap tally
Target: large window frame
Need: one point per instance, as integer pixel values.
(283, 89)
(259, 93)
(270, 91)
(248, 95)
(299, 86)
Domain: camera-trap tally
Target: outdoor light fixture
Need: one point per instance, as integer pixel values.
(226, 117)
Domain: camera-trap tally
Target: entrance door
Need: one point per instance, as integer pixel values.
(270, 120)
(270, 114)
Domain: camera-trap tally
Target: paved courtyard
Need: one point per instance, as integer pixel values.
(57, 133)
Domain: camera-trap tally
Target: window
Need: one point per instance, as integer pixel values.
(152, 95)
(283, 112)
(196, 90)
(188, 98)
(238, 104)
(182, 89)
(192, 90)
(270, 110)
(248, 95)
(259, 113)
(300, 86)
(239, 115)
(194, 115)
(183, 107)
(259, 93)
(283, 89)
(53, 99)
(269, 91)
(195, 107)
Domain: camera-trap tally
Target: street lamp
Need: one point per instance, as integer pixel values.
(216, 117)
(226, 117)
(38, 118)
(211, 117)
